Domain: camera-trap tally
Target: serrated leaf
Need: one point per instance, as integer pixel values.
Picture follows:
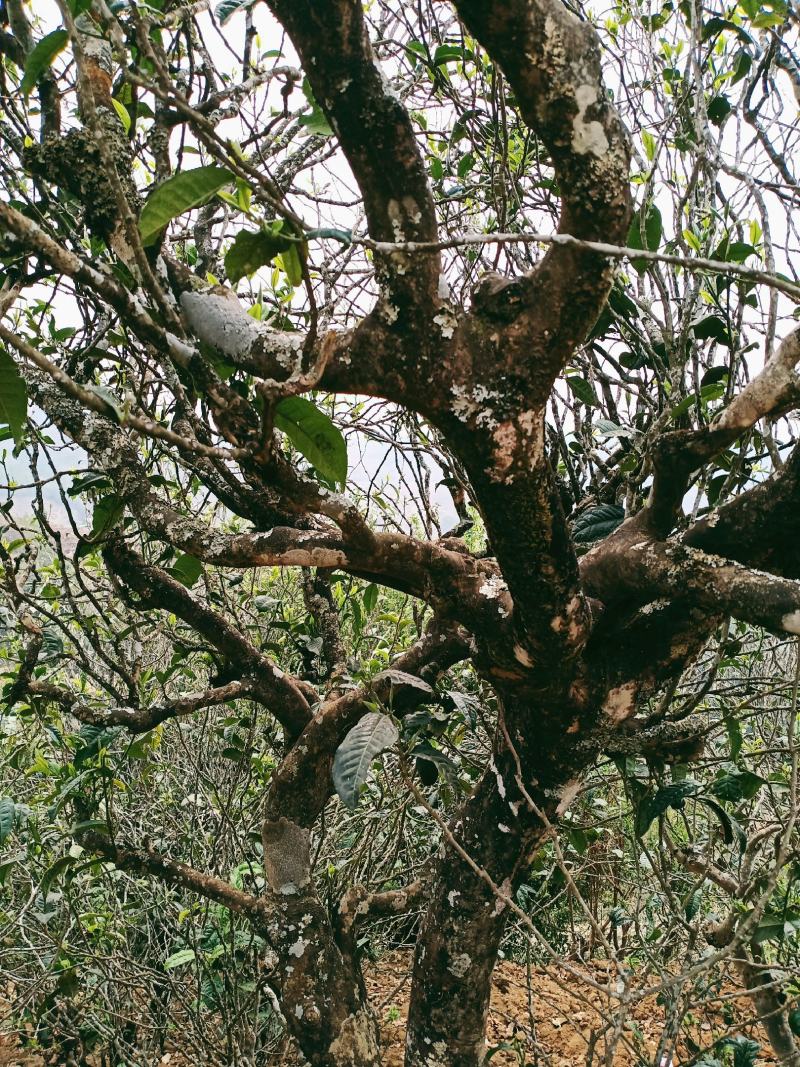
(251, 250)
(8, 814)
(187, 569)
(181, 192)
(40, 58)
(369, 737)
(596, 523)
(314, 435)
(13, 396)
(179, 959)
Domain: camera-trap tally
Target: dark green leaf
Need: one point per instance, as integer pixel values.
(669, 796)
(370, 736)
(41, 57)
(719, 107)
(228, 8)
(113, 406)
(736, 785)
(8, 814)
(107, 513)
(13, 396)
(183, 191)
(794, 1021)
(745, 1051)
(731, 830)
(251, 250)
(314, 435)
(581, 389)
(645, 233)
(187, 569)
(596, 523)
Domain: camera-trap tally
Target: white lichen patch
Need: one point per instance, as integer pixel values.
(493, 587)
(791, 622)
(620, 703)
(298, 948)
(501, 826)
(505, 439)
(459, 965)
(452, 896)
(587, 135)
(447, 323)
(501, 785)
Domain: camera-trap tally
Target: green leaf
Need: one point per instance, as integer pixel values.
(41, 57)
(228, 8)
(794, 1021)
(314, 435)
(645, 233)
(581, 389)
(107, 513)
(251, 250)
(777, 926)
(182, 192)
(13, 396)
(745, 1051)
(596, 523)
(735, 785)
(8, 814)
(178, 959)
(187, 569)
(369, 597)
(292, 264)
(124, 114)
(54, 871)
(669, 796)
(735, 740)
(369, 737)
(731, 830)
(113, 406)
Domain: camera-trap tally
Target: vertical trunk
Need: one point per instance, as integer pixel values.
(771, 1008)
(458, 944)
(321, 990)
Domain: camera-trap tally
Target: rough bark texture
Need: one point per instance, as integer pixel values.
(571, 648)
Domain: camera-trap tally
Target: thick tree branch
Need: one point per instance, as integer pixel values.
(376, 136)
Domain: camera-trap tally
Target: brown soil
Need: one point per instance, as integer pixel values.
(553, 1026)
